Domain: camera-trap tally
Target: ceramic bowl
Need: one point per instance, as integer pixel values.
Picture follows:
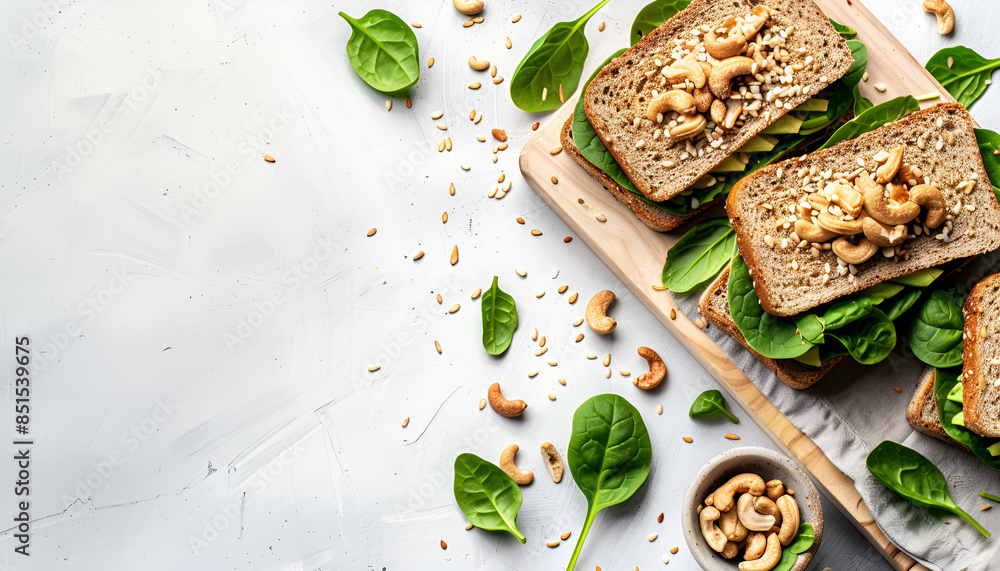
(769, 465)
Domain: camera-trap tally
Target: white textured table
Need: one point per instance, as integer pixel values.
(203, 320)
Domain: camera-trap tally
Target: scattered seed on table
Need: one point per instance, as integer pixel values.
(653, 536)
(532, 374)
(541, 342)
(552, 396)
(442, 144)
(508, 43)
(600, 27)
(567, 239)
(465, 167)
(673, 313)
(535, 232)
(437, 115)
(665, 558)
(409, 103)
(880, 87)
(699, 323)
(406, 421)
(444, 217)
(591, 356)
(541, 351)
(269, 158)
(984, 508)
(417, 255)
(659, 409)
(476, 293)
(897, 389)
(451, 189)
(475, 85)
(499, 134)
(501, 177)
(563, 288)
(482, 404)
(515, 18)
(607, 372)
(454, 255)
(373, 368)
(444, 545)
(579, 338)
(498, 80)
(562, 381)
(659, 518)
(552, 363)
(658, 287)
(688, 439)
(521, 271)
(790, 492)
(437, 346)
(607, 359)
(673, 550)
(572, 298)
(454, 308)
(479, 19)
(864, 77)
(468, 526)
(467, 24)
(430, 62)
(479, 117)
(534, 334)
(555, 150)
(534, 127)
(388, 104)
(624, 372)
(416, 24)
(565, 536)
(372, 232)
(440, 299)
(540, 294)
(552, 543)
(555, 180)
(555, 274)
(601, 217)
(731, 436)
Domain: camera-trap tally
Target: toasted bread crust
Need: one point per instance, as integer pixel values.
(714, 305)
(922, 412)
(979, 392)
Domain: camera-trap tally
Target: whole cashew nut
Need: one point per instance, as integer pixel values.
(730, 550)
(770, 558)
(657, 370)
(929, 197)
(789, 519)
(750, 518)
(521, 477)
(888, 170)
(692, 125)
(883, 235)
(469, 7)
(732, 527)
(834, 224)
(727, 47)
(854, 253)
(945, 15)
(879, 207)
(502, 406)
(672, 100)
(806, 230)
(848, 199)
(727, 70)
(597, 308)
(478, 64)
(743, 483)
(687, 68)
(775, 489)
(766, 506)
(553, 461)
(756, 542)
(713, 535)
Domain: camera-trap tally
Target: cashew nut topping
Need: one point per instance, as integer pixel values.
(848, 199)
(756, 542)
(703, 97)
(731, 526)
(743, 483)
(750, 518)
(727, 47)
(657, 370)
(818, 201)
(929, 197)
(553, 461)
(469, 7)
(734, 108)
(888, 170)
(502, 406)
(730, 550)
(879, 207)
(718, 111)
(883, 235)
(692, 125)
(522, 477)
(713, 535)
(687, 68)
(853, 254)
(478, 64)
(727, 70)
(945, 15)
(770, 558)
(789, 519)
(672, 100)
(897, 192)
(806, 230)
(756, 22)
(766, 506)
(775, 489)
(597, 308)
(837, 225)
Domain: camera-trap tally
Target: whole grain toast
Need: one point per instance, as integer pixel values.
(656, 218)
(980, 363)
(661, 167)
(758, 207)
(923, 414)
(714, 305)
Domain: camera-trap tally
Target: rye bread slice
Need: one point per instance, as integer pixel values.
(922, 412)
(759, 203)
(656, 218)
(980, 376)
(621, 92)
(714, 305)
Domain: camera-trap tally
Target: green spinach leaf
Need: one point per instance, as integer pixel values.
(965, 78)
(802, 542)
(861, 104)
(609, 456)
(711, 402)
(936, 333)
(840, 102)
(769, 335)
(869, 340)
(859, 51)
(699, 255)
(846, 32)
(944, 381)
(488, 497)
(654, 14)
(989, 145)
(383, 51)
(848, 311)
(554, 62)
(499, 319)
(915, 478)
(873, 118)
(811, 328)
(899, 305)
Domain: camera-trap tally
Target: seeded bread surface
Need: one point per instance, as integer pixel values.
(714, 305)
(923, 414)
(621, 92)
(786, 291)
(980, 395)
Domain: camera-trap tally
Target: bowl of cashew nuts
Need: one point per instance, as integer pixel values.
(745, 506)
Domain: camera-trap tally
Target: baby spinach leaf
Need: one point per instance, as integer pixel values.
(769, 335)
(861, 103)
(915, 478)
(966, 77)
(654, 14)
(989, 144)
(859, 51)
(899, 305)
(846, 32)
(499, 319)
(802, 542)
(869, 340)
(810, 328)
(488, 497)
(945, 380)
(609, 456)
(555, 60)
(711, 402)
(383, 51)
(845, 312)
(872, 119)
(840, 102)
(936, 333)
(699, 255)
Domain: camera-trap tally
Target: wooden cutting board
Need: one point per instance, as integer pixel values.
(635, 254)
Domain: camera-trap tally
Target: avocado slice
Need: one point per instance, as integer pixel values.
(810, 357)
(820, 105)
(994, 449)
(919, 278)
(959, 419)
(785, 125)
(759, 144)
(882, 291)
(956, 395)
(731, 164)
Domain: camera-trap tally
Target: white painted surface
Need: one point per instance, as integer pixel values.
(201, 398)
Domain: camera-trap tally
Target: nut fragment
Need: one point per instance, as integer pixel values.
(686, 69)
(553, 462)
(806, 230)
(743, 483)
(838, 225)
(502, 406)
(657, 370)
(597, 307)
(713, 535)
(775, 489)
(727, 70)
(888, 170)
(883, 235)
(692, 125)
(673, 100)
(854, 253)
(521, 477)
(727, 47)
(469, 7)
(945, 15)
(929, 197)
(478, 64)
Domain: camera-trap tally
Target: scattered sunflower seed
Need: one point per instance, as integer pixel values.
(535, 232)
(555, 150)
(417, 255)
(579, 338)
(475, 85)
(406, 421)
(521, 271)
(532, 374)
(515, 18)
(454, 255)
(482, 404)
(508, 43)
(688, 439)
(562, 381)
(565, 536)
(372, 232)
(476, 293)
(454, 308)
(437, 346)
(732, 437)
(416, 24)
(552, 543)
(388, 104)
(540, 294)
(552, 396)
(534, 334)
(269, 158)
(659, 409)
(430, 62)
(567, 239)
(653, 536)
(373, 368)
(563, 288)
(468, 526)
(577, 323)
(541, 351)
(591, 356)
(572, 298)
